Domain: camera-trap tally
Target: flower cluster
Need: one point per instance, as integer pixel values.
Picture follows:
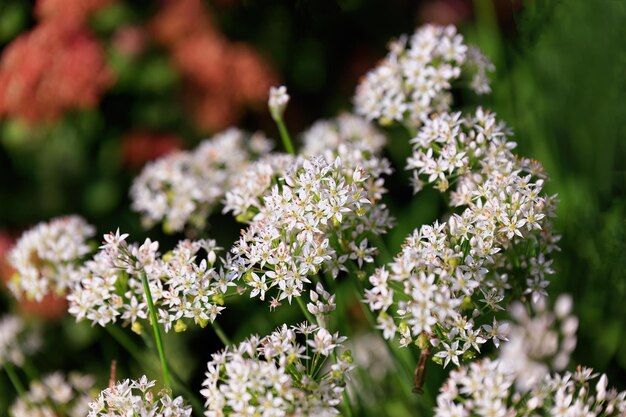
(474, 263)
(539, 342)
(503, 193)
(346, 129)
(55, 394)
(74, 10)
(183, 287)
(136, 398)
(244, 196)
(315, 218)
(184, 187)
(352, 138)
(16, 340)
(278, 375)
(36, 63)
(47, 257)
(416, 77)
(486, 388)
(519, 381)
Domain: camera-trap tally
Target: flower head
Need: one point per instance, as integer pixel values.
(17, 340)
(278, 101)
(416, 76)
(452, 277)
(47, 256)
(136, 398)
(184, 188)
(305, 223)
(54, 392)
(278, 375)
(185, 285)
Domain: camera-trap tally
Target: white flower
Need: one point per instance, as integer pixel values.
(183, 287)
(309, 221)
(17, 340)
(46, 257)
(497, 331)
(415, 78)
(184, 188)
(274, 376)
(53, 392)
(450, 353)
(278, 101)
(492, 388)
(539, 342)
(134, 398)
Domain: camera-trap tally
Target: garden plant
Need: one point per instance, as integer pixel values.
(284, 273)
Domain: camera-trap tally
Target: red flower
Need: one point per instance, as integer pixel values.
(221, 77)
(76, 11)
(56, 67)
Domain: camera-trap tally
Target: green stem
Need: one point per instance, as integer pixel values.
(382, 248)
(135, 351)
(15, 380)
(30, 370)
(155, 328)
(346, 402)
(344, 394)
(220, 333)
(308, 315)
(284, 135)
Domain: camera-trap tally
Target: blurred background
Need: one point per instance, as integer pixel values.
(90, 90)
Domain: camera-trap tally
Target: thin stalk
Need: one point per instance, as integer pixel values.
(308, 315)
(284, 135)
(30, 370)
(15, 380)
(135, 351)
(344, 394)
(382, 248)
(220, 333)
(346, 402)
(155, 328)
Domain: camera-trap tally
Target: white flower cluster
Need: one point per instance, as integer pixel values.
(487, 388)
(278, 375)
(539, 342)
(416, 77)
(347, 136)
(136, 398)
(55, 395)
(46, 256)
(243, 198)
(346, 129)
(498, 245)
(506, 207)
(321, 304)
(183, 188)
(182, 285)
(17, 341)
(316, 218)
(519, 381)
